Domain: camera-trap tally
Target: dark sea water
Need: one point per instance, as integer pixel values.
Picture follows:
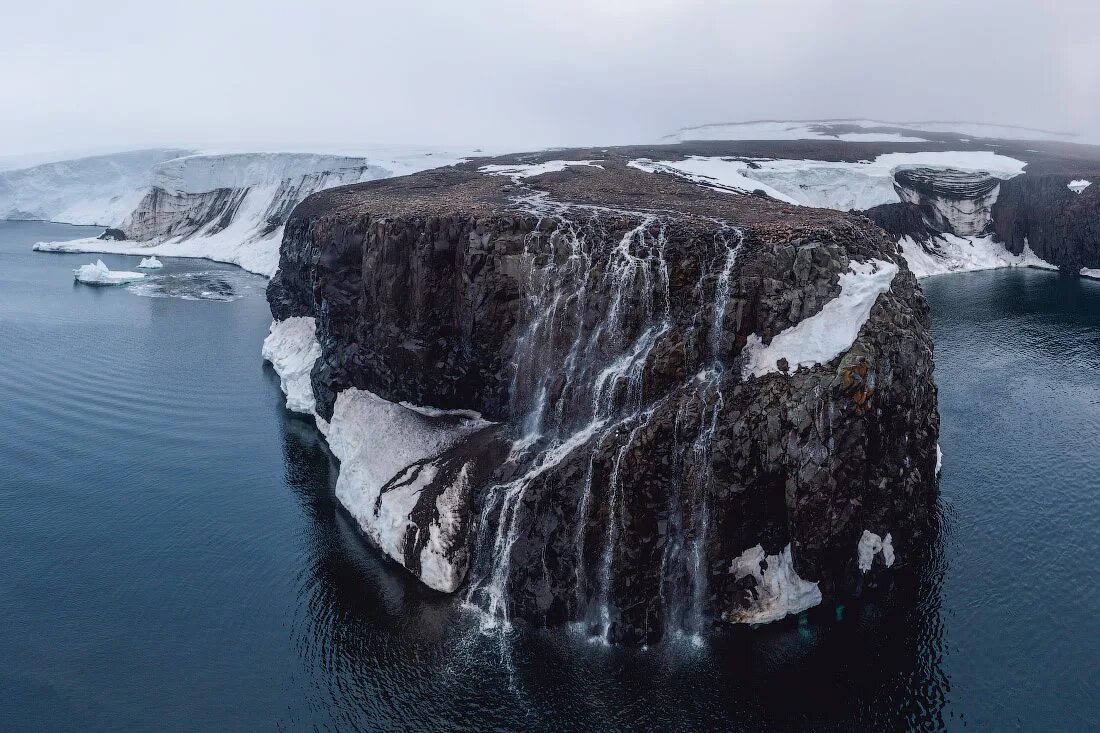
(174, 558)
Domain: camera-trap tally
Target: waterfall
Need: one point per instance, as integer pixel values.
(578, 385)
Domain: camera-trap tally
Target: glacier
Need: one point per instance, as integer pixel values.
(227, 206)
(875, 131)
(100, 190)
(823, 183)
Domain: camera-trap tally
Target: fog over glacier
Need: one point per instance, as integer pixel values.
(116, 74)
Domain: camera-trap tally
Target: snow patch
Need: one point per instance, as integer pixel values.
(1079, 185)
(98, 274)
(292, 349)
(519, 171)
(150, 263)
(380, 442)
(829, 333)
(1091, 273)
(779, 590)
(950, 253)
(871, 544)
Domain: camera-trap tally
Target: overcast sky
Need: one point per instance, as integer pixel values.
(525, 74)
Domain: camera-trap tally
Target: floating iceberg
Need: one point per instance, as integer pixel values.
(150, 263)
(98, 274)
(778, 591)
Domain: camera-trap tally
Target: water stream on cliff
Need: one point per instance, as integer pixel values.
(175, 558)
(599, 404)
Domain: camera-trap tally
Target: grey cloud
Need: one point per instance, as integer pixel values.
(525, 74)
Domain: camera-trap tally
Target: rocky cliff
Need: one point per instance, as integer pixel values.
(1060, 224)
(576, 391)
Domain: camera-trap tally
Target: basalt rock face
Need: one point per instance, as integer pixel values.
(1061, 226)
(905, 220)
(600, 316)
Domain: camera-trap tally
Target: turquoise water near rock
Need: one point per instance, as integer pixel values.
(175, 558)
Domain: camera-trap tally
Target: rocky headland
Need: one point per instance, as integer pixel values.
(570, 390)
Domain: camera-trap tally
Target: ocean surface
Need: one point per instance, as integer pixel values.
(174, 558)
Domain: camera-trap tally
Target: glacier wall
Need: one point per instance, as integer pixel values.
(101, 189)
(227, 206)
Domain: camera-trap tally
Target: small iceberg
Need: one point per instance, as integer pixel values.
(98, 274)
(150, 263)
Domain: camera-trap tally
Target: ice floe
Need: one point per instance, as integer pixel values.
(150, 263)
(779, 590)
(1090, 273)
(829, 332)
(871, 544)
(98, 274)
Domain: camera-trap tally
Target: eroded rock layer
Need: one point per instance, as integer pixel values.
(645, 469)
(953, 201)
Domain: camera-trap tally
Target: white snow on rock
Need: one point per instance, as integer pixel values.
(939, 459)
(150, 263)
(292, 348)
(376, 441)
(1079, 185)
(534, 169)
(827, 184)
(779, 589)
(719, 173)
(829, 333)
(871, 544)
(965, 254)
(98, 274)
